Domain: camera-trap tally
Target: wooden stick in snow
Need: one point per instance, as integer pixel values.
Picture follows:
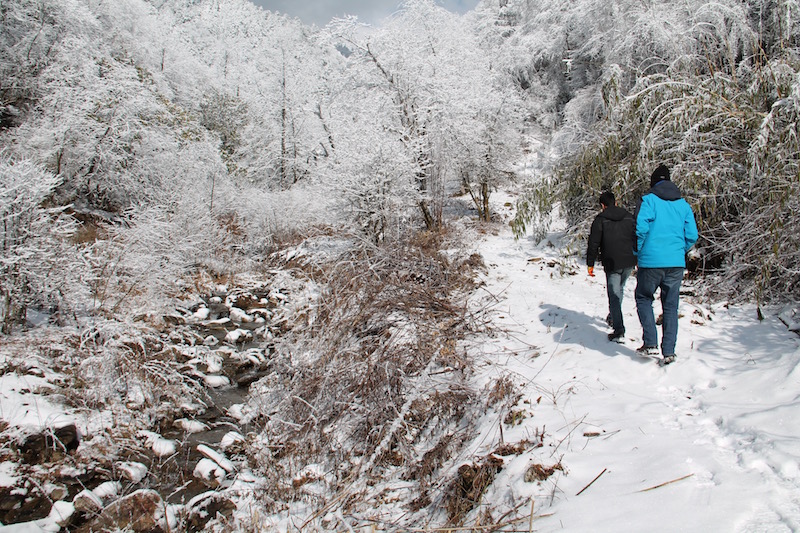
(592, 481)
(666, 483)
(530, 522)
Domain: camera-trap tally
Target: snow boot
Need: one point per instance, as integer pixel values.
(617, 336)
(647, 350)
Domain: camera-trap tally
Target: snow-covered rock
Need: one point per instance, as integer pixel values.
(61, 512)
(210, 340)
(236, 411)
(219, 323)
(216, 381)
(142, 510)
(161, 447)
(238, 335)
(107, 489)
(87, 501)
(240, 316)
(133, 471)
(232, 440)
(209, 471)
(217, 457)
(202, 313)
(213, 363)
(206, 506)
(191, 426)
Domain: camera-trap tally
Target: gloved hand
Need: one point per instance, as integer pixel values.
(591, 272)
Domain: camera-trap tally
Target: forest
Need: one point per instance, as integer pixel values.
(181, 176)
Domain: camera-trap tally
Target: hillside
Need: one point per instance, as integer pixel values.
(559, 422)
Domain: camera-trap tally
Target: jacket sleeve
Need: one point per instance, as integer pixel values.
(631, 233)
(595, 238)
(645, 215)
(690, 229)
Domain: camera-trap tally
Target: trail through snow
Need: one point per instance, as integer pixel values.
(709, 443)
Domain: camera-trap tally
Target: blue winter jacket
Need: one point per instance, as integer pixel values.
(665, 227)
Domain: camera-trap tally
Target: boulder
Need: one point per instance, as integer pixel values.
(87, 502)
(205, 507)
(50, 444)
(140, 511)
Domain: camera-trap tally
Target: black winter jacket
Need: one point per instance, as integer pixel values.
(612, 239)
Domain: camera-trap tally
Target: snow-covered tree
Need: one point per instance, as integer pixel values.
(443, 100)
(37, 263)
(720, 111)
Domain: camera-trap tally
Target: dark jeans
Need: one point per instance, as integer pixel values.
(669, 281)
(615, 286)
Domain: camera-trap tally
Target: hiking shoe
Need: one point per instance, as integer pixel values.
(617, 336)
(668, 359)
(647, 350)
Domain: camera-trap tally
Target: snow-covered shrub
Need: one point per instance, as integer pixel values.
(226, 116)
(373, 191)
(724, 118)
(373, 380)
(127, 368)
(736, 164)
(38, 266)
(147, 262)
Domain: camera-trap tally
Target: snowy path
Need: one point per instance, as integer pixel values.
(710, 443)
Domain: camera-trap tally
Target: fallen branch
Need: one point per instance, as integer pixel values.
(505, 515)
(667, 483)
(592, 481)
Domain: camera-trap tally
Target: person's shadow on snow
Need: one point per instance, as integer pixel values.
(574, 327)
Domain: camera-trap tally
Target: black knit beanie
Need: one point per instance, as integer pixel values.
(659, 174)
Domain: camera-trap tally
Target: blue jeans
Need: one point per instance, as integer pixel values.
(669, 281)
(615, 286)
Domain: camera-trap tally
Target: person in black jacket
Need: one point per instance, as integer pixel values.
(611, 240)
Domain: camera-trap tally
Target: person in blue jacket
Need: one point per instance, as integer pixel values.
(665, 231)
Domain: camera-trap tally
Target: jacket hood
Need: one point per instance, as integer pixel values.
(614, 212)
(666, 190)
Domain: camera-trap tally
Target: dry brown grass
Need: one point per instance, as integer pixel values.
(502, 389)
(466, 491)
(538, 472)
(382, 380)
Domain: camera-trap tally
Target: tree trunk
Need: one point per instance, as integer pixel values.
(6, 314)
(430, 223)
(485, 212)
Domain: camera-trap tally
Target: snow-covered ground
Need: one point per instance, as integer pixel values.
(709, 443)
